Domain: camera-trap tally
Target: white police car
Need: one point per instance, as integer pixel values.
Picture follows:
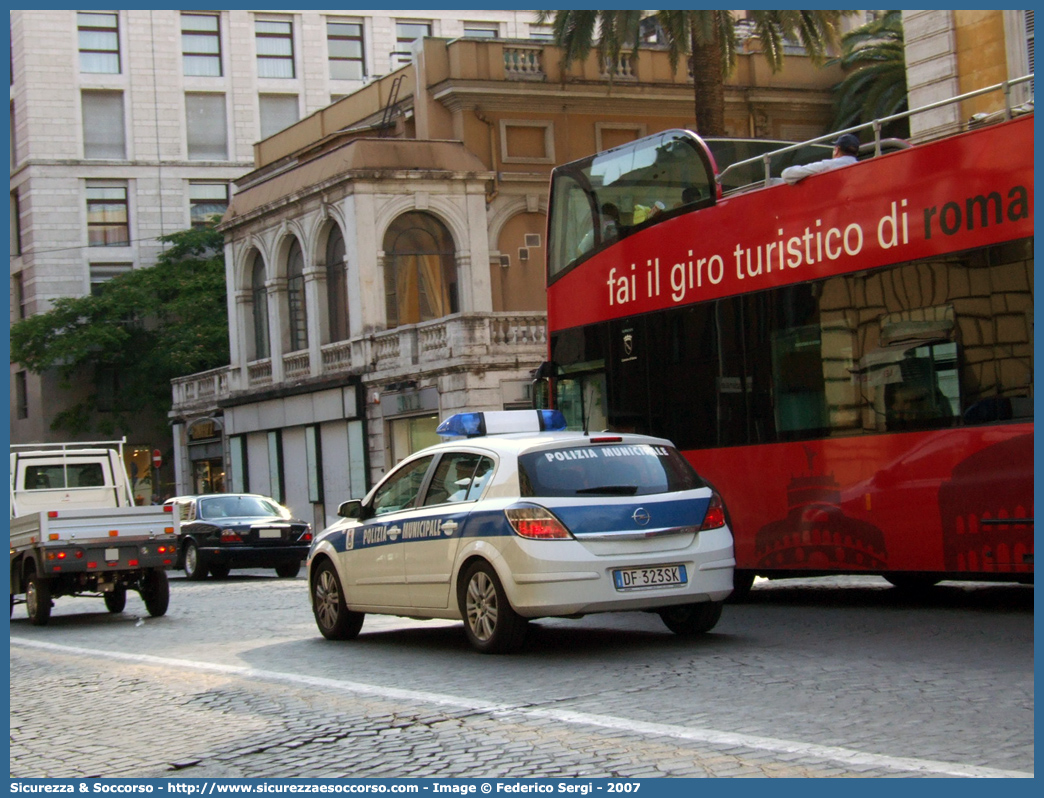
(498, 526)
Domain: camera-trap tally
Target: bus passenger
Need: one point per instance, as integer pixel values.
(610, 225)
(846, 148)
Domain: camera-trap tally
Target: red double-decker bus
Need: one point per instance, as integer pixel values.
(849, 360)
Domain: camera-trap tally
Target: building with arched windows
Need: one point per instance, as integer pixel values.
(385, 258)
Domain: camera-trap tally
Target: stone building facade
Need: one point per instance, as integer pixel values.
(385, 258)
(128, 125)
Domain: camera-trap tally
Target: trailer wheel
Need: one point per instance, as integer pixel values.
(38, 600)
(116, 600)
(155, 591)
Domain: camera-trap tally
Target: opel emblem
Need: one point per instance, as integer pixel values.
(641, 516)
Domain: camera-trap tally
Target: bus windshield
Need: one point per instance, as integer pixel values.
(600, 199)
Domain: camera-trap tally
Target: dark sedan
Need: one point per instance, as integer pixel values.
(223, 531)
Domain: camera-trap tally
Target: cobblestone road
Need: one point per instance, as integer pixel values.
(834, 678)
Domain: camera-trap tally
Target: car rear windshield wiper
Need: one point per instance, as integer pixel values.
(611, 490)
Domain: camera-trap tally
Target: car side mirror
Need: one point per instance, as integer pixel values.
(352, 509)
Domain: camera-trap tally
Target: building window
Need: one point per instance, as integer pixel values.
(406, 33)
(337, 286)
(295, 298)
(347, 57)
(420, 270)
(523, 141)
(481, 30)
(207, 201)
(103, 130)
(543, 33)
(201, 44)
(108, 223)
(99, 38)
(278, 111)
(13, 142)
(275, 49)
(16, 225)
(240, 478)
(22, 394)
(314, 464)
(101, 273)
(259, 296)
(275, 465)
(18, 309)
(206, 129)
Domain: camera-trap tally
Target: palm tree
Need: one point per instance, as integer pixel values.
(709, 37)
(873, 55)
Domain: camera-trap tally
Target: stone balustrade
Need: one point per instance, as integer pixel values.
(411, 350)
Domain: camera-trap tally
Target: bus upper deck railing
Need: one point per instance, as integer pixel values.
(876, 125)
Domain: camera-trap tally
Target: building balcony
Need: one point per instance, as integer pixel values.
(466, 340)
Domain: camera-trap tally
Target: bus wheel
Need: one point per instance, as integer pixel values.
(913, 583)
(742, 581)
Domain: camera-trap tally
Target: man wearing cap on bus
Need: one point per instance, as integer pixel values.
(846, 147)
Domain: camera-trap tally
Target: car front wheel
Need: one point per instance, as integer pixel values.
(690, 620)
(332, 616)
(490, 622)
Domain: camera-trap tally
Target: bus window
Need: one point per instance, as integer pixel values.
(925, 392)
(570, 224)
(581, 399)
(601, 198)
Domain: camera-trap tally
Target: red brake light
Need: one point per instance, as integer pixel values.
(536, 523)
(607, 439)
(715, 517)
(228, 536)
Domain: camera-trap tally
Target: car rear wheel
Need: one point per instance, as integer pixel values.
(288, 570)
(490, 622)
(332, 616)
(195, 567)
(690, 620)
(155, 592)
(116, 599)
(219, 571)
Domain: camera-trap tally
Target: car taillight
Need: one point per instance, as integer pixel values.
(536, 523)
(228, 536)
(715, 517)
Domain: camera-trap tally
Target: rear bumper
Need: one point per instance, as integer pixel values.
(254, 556)
(576, 582)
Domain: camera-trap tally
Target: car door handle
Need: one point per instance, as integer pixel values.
(448, 527)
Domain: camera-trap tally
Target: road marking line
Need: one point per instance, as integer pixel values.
(846, 756)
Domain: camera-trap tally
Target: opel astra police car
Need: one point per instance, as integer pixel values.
(498, 526)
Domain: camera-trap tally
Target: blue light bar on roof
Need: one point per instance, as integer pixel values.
(500, 422)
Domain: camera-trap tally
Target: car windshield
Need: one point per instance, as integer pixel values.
(620, 470)
(240, 507)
